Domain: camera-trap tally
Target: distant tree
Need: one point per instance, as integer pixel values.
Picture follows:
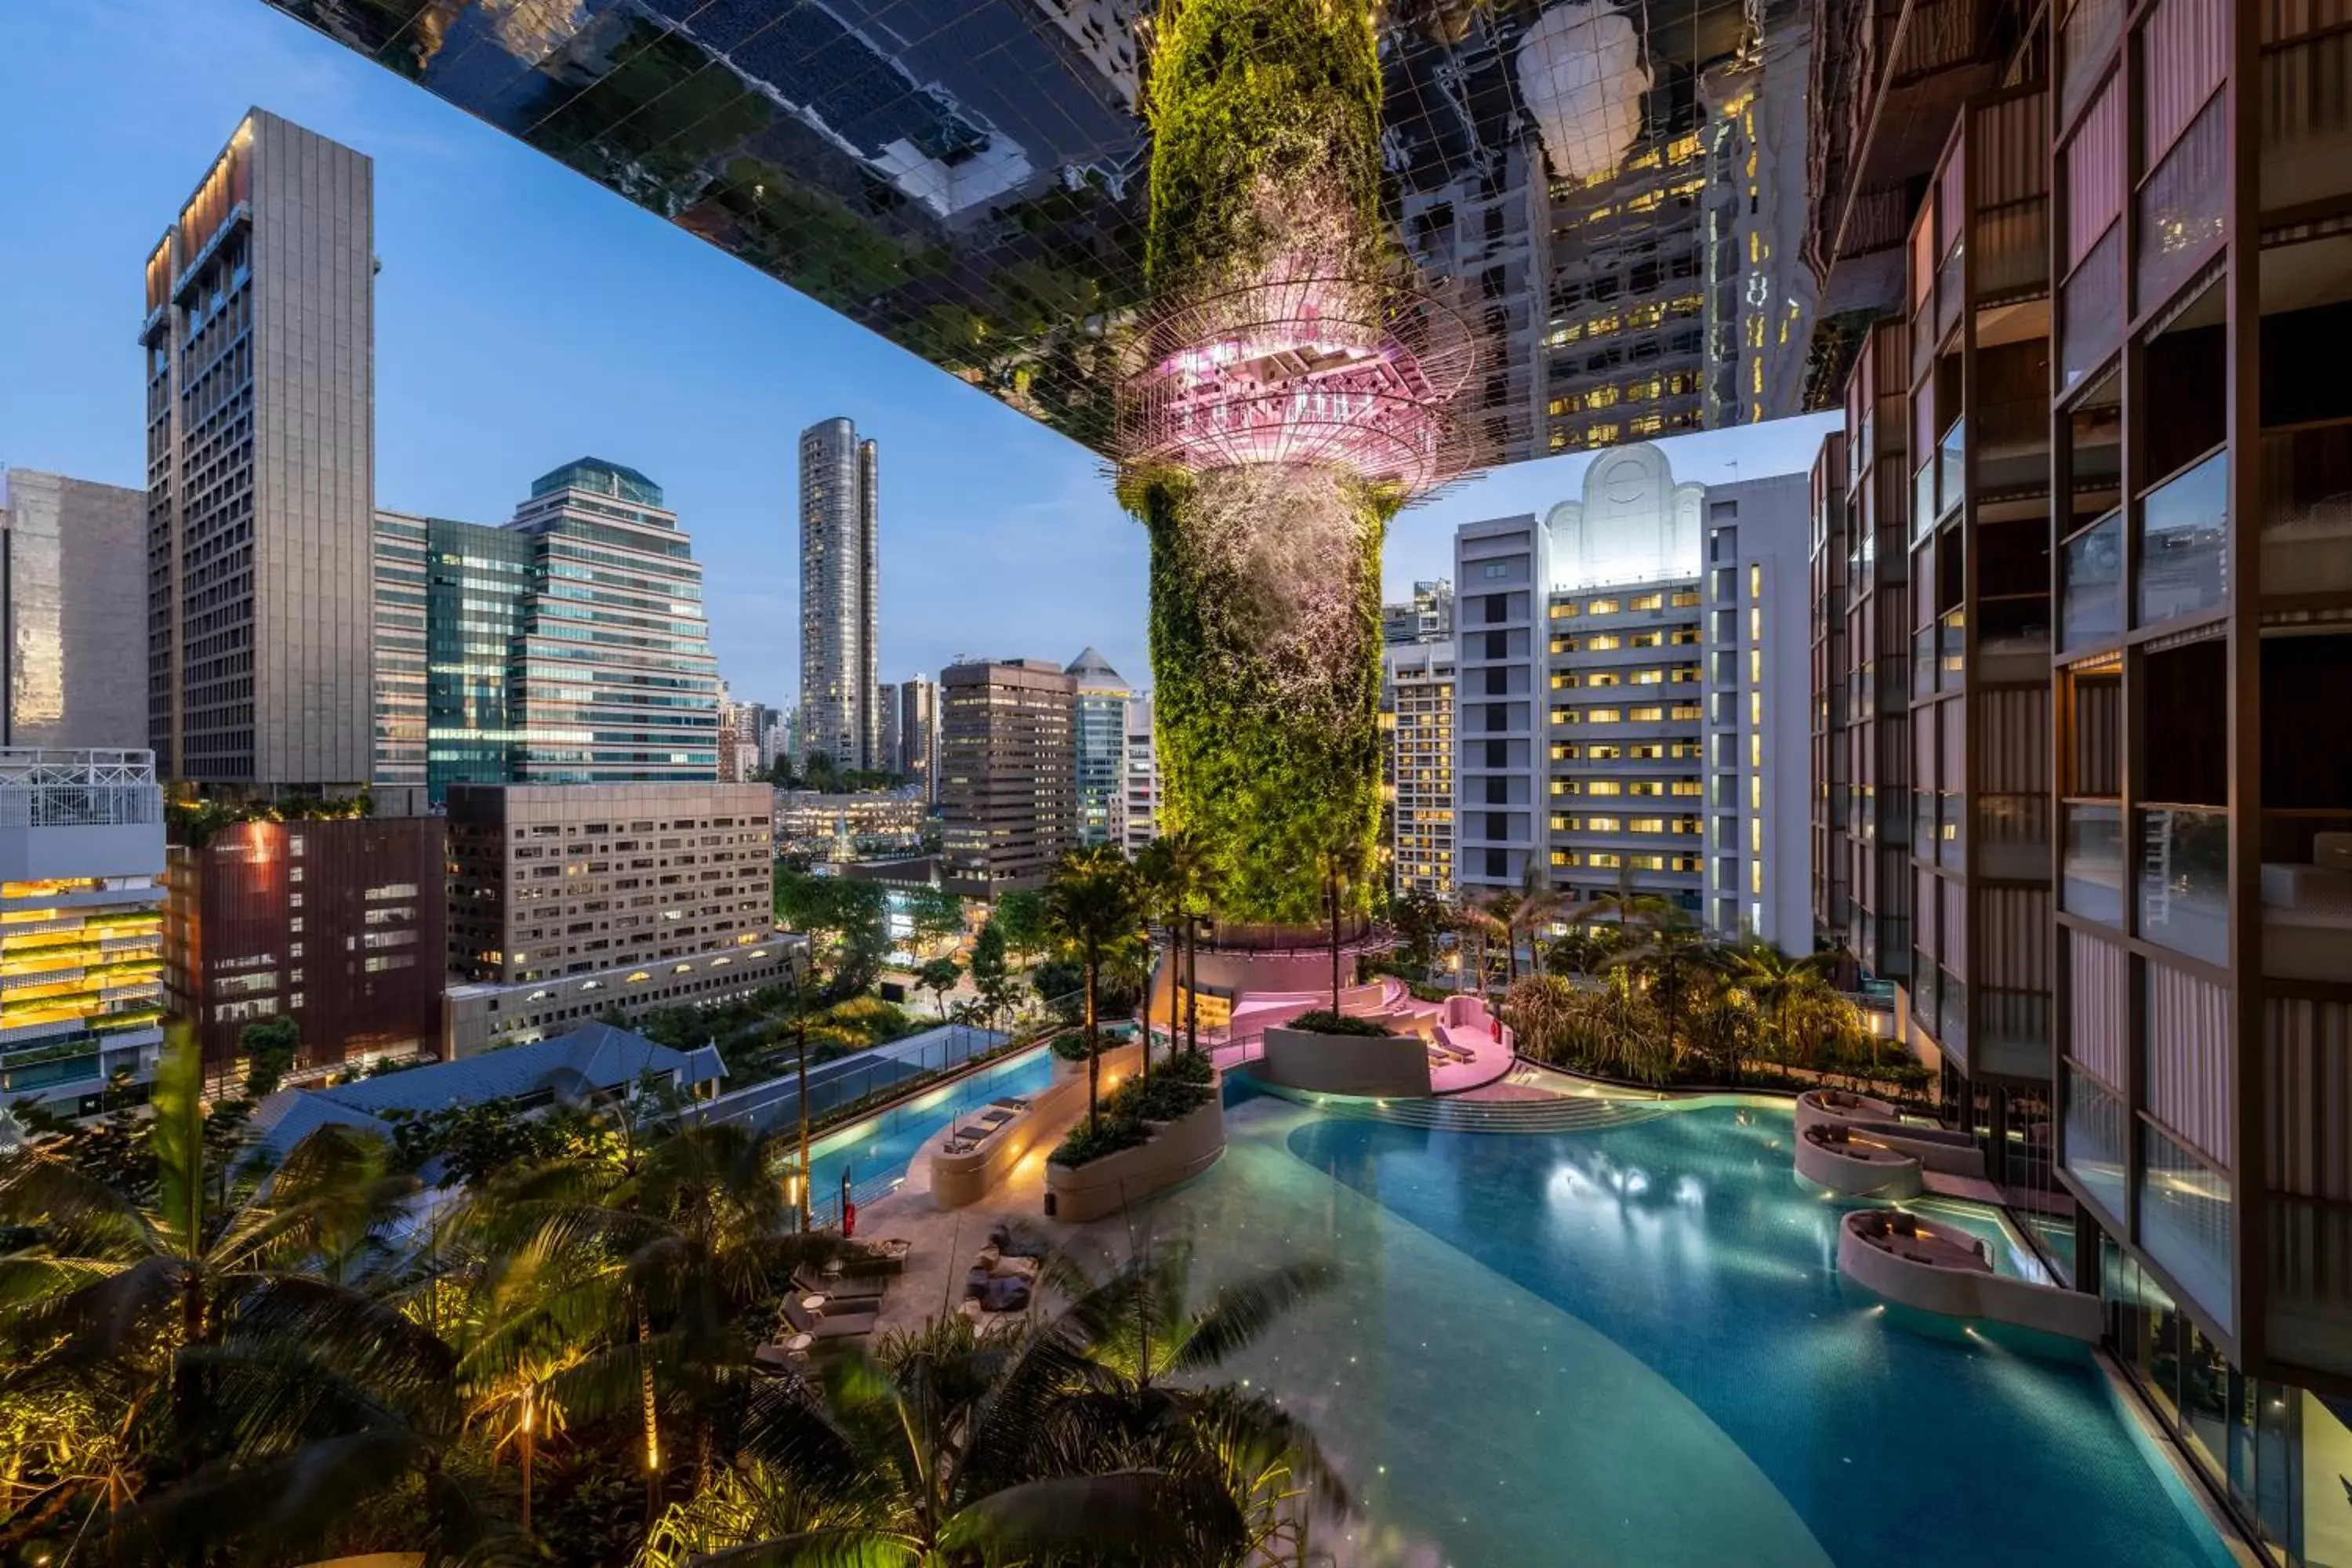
(937, 914)
(271, 1047)
(988, 953)
(1057, 981)
(1022, 914)
(820, 773)
(939, 977)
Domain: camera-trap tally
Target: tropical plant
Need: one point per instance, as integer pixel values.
(1778, 982)
(239, 1393)
(1674, 960)
(1341, 862)
(1539, 1010)
(1090, 905)
(938, 976)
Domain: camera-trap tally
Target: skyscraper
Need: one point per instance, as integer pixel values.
(1101, 744)
(567, 647)
(840, 575)
(890, 756)
(1420, 681)
(919, 735)
(73, 618)
(1008, 772)
(259, 335)
(1135, 822)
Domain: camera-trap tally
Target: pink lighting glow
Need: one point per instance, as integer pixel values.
(1316, 370)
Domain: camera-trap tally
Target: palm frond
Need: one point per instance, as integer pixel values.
(1238, 1314)
(1136, 1515)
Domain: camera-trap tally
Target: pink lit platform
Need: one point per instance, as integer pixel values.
(1468, 1046)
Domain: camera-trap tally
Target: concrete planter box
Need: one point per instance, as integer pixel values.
(1392, 1066)
(958, 1180)
(1941, 1269)
(1177, 1151)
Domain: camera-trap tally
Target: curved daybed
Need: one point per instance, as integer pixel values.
(1943, 1268)
(1816, 1106)
(1829, 1155)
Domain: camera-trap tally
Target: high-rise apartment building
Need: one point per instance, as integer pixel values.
(2119, 483)
(1584, 643)
(260, 340)
(1137, 821)
(567, 902)
(840, 594)
(73, 613)
(1758, 595)
(1101, 744)
(1419, 680)
(890, 756)
(1008, 773)
(1426, 617)
(919, 735)
(567, 647)
(333, 922)
(81, 921)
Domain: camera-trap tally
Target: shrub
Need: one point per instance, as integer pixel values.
(1323, 1021)
(1091, 1140)
(1168, 1095)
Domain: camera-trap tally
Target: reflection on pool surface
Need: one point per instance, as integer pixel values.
(875, 1152)
(1632, 1346)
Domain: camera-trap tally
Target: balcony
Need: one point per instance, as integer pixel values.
(2012, 243)
(2184, 543)
(2013, 838)
(1951, 469)
(2184, 1222)
(2091, 603)
(2086, 40)
(2093, 885)
(2179, 206)
(2306, 515)
(2184, 881)
(2092, 311)
(2306, 135)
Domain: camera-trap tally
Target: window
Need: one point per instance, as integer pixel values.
(1602, 608)
(1650, 602)
(1497, 569)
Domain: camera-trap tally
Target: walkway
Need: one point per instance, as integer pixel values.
(773, 1102)
(1469, 1049)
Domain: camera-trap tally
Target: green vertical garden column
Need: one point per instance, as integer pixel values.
(1264, 489)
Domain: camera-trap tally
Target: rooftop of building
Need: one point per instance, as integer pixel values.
(599, 477)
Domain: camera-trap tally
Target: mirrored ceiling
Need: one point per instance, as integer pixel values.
(1639, 201)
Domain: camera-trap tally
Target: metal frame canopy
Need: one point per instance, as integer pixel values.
(1615, 192)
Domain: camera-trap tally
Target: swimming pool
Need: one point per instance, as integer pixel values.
(876, 1151)
(1632, 1346)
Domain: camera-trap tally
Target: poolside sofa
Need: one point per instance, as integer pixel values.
(832, 1325)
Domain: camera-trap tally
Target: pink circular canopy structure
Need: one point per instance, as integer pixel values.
(1300, 371)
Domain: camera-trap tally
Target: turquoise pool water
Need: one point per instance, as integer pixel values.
(1632, 1346)
(875, 1152)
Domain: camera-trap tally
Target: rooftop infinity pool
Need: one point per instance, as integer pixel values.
(1632, 1346)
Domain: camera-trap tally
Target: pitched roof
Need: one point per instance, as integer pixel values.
(591, 1058)
(1092, 662)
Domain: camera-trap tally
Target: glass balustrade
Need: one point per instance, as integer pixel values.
(2184, 543)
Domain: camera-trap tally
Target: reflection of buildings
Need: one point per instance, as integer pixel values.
(1008, 773)
(1101, 744)
(1626, 710)
(567, 647)
(840, 587)
(1626, 237)
(1419, 690)
(259, 332)
(566, 903)
(919, 736)
(73, 612)
(82, 918)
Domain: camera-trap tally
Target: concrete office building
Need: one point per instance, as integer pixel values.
(73, 613)
(840, 594)
(1137, 822)
(567, 647)
(568, 901)
(335, 924)
(1581, 726)
(1101, 744)
(260, 339)
(1419, 680)
(1008, 773)
(81, 922)
(888, 758)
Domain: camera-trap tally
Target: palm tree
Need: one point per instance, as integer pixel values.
(1673, 961)
(947, 1448)
(1145, 1347)
(1775, 980)
(660, 1267)
(1174, 871)
(1090, 905)
(1487, 917)
(1340, 861)
(1724, 1027)
(1618, 1027)
(1538, 1010)
(206, 1331)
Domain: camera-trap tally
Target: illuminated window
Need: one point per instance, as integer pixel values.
(1646, 639)
(1649, 677)
(1684, 710)
(1686, 598)
(1688, 786)
(1649, 715)
(1597, 786)
(1647, 825)
(1756, 591)
(1604, 824)
(1602, 642)
(1561, 611)
(1602, 715)
(1602, 608)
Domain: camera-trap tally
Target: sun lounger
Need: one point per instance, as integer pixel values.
(1012, 1102)
(849, 1290)
(973, 1134)
(831, 1326)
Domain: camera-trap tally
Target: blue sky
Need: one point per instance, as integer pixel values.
(525, 317)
